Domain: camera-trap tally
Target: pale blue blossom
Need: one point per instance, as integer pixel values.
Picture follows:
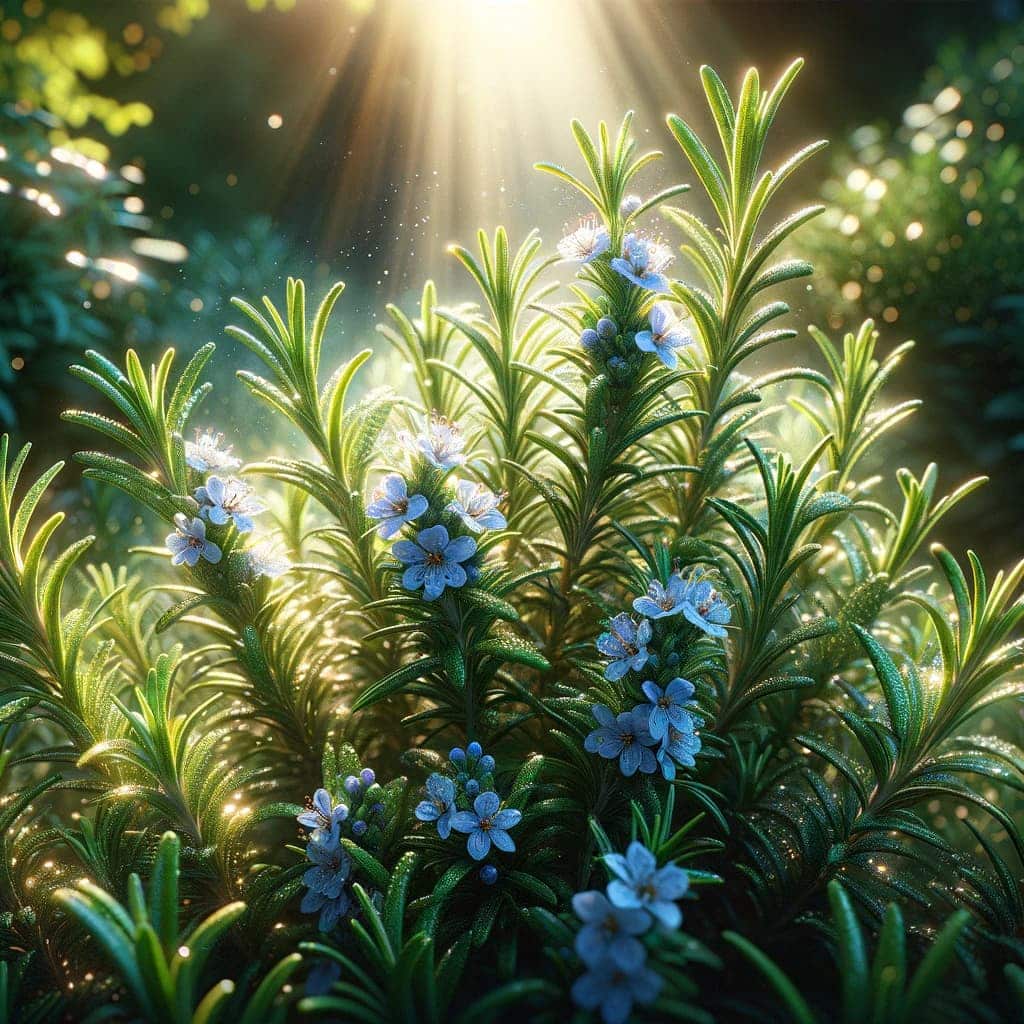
(434, 561)
(321, 814)
(641, 884)
(263, 560)
(586, 243)
(609, 931)
(614, 990)
(665, 336)
(325, 880)
(629, 205)
(487, 824)
(679, 747)
(643, 261)
(624, 736)
(228, 501)
(440, 807)
(441, 444)
(625, 643)
(662, 600)
(188, 543)
(205, 453)
(477, 507)
(668, 707)
(705, 608)
(393, 506)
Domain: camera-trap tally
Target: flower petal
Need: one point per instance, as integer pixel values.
(465, 821)
(408, 552)
(502, 840)
(478, 845)
(486, 804)
(433, 539)
(591, 905)
(508, 818)
(459, 549)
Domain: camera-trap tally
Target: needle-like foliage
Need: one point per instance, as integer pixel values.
(585, 672)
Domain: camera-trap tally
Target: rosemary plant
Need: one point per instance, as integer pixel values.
(592, 675)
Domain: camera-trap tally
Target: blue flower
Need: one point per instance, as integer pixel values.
(322, 975)
(624, 737)
(590, 339)
(629, 205)
(640, 883)
(586, 243)
(705, 608)
(643, 262)
(665, 336)
(224, 501)
(321, 815)
(441, 805)
(488, 874)
(667, 707)
(434, 561)
(188, 543)
(486, 824)
(626, 644)
(441, 445)
(614, 990)
(606, 329)
(477, 507)
(662, 600)
(393, 505)
(359, 828)
(609, 931)
(263, 560)
(205, 453)
(325, 880)
(474, 749)
(679, 746)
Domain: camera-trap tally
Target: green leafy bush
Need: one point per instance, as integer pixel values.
(609, 647)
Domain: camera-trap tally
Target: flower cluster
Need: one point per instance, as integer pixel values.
(643, 261)
(640, 898)
(434, 560)
(464, 801)
(189, 543)
(329, 823)
(222, 501)
(660, 733)
(626, 641)
(331, 865)
(666, 334)
(228, 501)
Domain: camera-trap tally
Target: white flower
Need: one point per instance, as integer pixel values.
(205, 453)
(586, 243)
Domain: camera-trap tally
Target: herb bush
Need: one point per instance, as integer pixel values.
(558, 690)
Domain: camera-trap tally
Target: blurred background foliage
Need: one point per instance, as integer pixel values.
(158, 157)
(924, 232)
